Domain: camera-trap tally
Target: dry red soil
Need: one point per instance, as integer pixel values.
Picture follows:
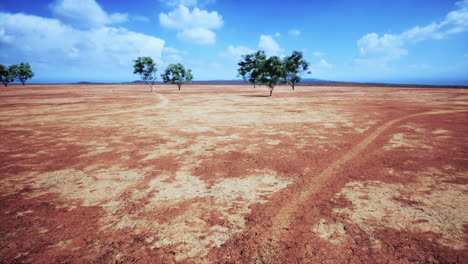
(224, 174)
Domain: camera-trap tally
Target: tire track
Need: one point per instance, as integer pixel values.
(270, 241)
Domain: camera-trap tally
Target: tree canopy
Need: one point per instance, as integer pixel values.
(272, 72)
(146, 68)
(177, 74)
(257, 68)
(250, 67)
(21, 71)
(294, 66)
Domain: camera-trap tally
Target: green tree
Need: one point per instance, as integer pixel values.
(146, 68)
(24, 72)
(272, 72)
(250, 67)
(294, 66)
(176, 74)
(8, 74)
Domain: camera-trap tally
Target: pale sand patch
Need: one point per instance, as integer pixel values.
(228, 199)
(442, 211)
(91, 188)
(332, 232)
(401, 140)
(24, 212)
(62, 244)
(440, 131)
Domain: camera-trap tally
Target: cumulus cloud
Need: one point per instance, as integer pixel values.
(84, 14)
(188, 3)
(322, 65)
(201, 36)
(294, 32)
(236, 53)
(172, 55)
(270, 46)
(266, 43)
(179, 2)
(387, 47)
(194, 26)
(183, 18)
(59, 46)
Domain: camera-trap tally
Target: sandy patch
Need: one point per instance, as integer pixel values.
(425, 206)
(227, 200)
(91, 188)
(332, 232)
(401, 140)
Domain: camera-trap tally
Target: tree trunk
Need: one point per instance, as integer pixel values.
(178, 85)
(254, 85)
(151, 87)
(271, 91)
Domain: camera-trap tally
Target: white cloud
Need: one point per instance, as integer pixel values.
(322, 65)
(172, 55)
(194, 26)
(179, 2)
(318, 54)
(386, 47)
(382, 49)
(84, 14)
(294, 32)
(236, 53)
(57, 46)
(182, 18)
(171, 50)
(201, 36)
(270, 46)
(277, 34)
(188, 3)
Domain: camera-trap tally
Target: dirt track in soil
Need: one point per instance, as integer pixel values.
(224, 174)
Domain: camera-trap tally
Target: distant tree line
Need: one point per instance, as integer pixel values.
(21, 72)
(257, 68)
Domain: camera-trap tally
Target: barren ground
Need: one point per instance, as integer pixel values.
(223, 174)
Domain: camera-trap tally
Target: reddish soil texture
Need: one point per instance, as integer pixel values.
(224, 174)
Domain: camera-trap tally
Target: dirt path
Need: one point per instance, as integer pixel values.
(281, 221)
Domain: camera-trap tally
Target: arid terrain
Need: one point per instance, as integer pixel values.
(225, 174)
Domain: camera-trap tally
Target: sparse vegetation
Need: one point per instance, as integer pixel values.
(146, 68)
(256, 68)
(272, 72)
(21, 71)
(294, 66)
(250, 67)
(24, 72)
(177, 74)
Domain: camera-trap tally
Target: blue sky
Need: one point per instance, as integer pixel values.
(399, 41)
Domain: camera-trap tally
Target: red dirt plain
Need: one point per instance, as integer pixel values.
(223, 174)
